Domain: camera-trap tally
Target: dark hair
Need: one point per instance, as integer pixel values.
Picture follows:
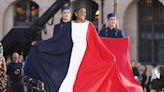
(73, 16)
(61, 20)
(76, 9)
(161, 69)
(154, 64)
(145, 68)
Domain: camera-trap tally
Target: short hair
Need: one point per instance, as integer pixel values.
(154, 64)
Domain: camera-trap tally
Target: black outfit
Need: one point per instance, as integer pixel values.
(144, 78)
(59, 26)
(135, 71)
(16, 84)
(160, 82)
(111, 33)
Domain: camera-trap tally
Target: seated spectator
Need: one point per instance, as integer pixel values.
(160, 82)
(135, 70)
(145, 78)
(155, 75)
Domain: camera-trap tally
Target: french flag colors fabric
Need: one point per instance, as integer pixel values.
(120, 48)
(75, 59)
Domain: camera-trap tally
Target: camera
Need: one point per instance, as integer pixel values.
(33, 84)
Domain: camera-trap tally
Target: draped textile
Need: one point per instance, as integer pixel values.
(99, 69)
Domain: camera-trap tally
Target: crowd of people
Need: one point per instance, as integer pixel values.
(12, 77)
(151, 77)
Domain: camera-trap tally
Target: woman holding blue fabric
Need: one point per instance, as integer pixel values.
(65, 18)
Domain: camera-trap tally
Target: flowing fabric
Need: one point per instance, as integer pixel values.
(48, 60)
(53, 62)
(120, 48)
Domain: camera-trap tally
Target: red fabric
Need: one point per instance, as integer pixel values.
(120, 48)
(98, 71)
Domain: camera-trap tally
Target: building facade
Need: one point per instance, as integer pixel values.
(141, 20)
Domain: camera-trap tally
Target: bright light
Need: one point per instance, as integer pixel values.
(72, 0)
(97, 12)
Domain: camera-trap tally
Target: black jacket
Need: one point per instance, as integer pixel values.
(111, 33)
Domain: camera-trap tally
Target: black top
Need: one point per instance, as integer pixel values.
(144, 78)
(135, 71)
(12, 68)
(59, 26)
(111, 33)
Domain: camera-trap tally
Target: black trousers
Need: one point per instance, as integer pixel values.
(147, 87)
(16, 87)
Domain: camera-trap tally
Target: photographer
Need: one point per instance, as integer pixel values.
(14, 71)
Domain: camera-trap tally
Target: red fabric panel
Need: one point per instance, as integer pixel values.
(120, 48)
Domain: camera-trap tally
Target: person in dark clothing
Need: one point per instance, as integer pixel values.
(135, 70)
(111, 31)
(155, 76)
(65, 18)
(145, 82)
(160, 82)
(14, 71)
